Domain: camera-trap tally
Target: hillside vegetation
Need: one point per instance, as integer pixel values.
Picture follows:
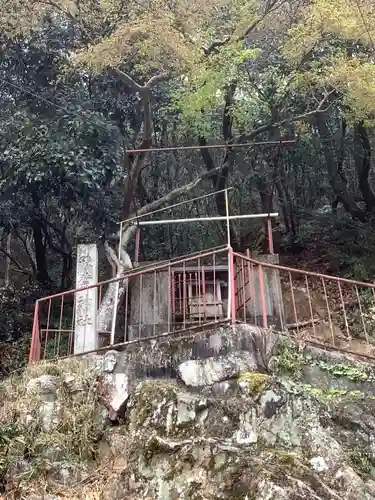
(82, 82)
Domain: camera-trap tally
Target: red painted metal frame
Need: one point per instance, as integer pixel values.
(232, 288)
(304, 272)
(141, 270)
(34, 354)
(336, 299)
(249, 300)
(47, 338)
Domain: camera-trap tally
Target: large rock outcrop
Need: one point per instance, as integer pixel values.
(254, 436)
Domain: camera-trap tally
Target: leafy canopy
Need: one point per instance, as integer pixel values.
(333, 43)
(313, 45)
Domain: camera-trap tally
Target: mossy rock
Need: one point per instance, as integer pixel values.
(150, 403)
(271, 438)
(255, 381)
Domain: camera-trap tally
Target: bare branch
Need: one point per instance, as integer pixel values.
(136, 87)
(292, 119)
(215, 44)
(271, 7)
(129, 231)
(28, 250)
(20, 268)
(156, 79)
(127, 79)
(186, 189)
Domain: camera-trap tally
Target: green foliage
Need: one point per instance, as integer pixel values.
(330, 43)
(59, 158)
(9, 438)
(198, 103)
(289, 359)
(70, 159)
(16, 316)
(330, 394)
(350, 372)
(200, 98)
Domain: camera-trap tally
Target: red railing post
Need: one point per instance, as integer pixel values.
(170, 298)
(232, 287)
(34, 354)
(173, 292)
(262, 296)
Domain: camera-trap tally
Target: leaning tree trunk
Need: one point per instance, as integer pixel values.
(118, 289)
(115, 291)
(120, 267)
(219, 180)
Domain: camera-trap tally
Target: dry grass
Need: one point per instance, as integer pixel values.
(76, 435)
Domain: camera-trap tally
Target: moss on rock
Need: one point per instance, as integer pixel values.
(255, 381)
(268, 439)
(150, 401)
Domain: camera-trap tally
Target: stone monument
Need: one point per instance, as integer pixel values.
(86, 302)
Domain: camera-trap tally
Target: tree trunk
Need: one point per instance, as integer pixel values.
(40, 248)
(362, 157)
(340, 163)
(40, 252)
(135, 165)
(219, 180)
(266, 198)
(106, 308)
(282, 203)
(116, 289)
(290, 207)
(66, 281)
(336, 181)
(272, 158)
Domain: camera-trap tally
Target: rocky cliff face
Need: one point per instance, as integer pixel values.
(251, 436)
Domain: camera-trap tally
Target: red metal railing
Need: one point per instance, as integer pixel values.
(204, 289)
(316, 308)
(154, 299)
